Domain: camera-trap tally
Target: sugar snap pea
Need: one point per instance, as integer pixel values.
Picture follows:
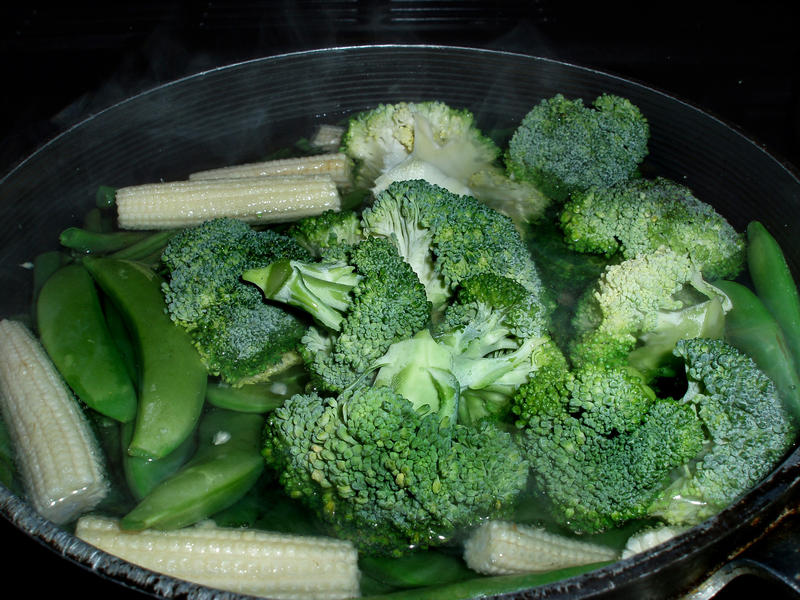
(172, 380)
(98, 242)
(226, 465)
(105, 197)
(774, 284)
(257, 397)
(480, 587)
(751, 328)
(143, 475)
(98, 220)
(416, 570)
(73, 330)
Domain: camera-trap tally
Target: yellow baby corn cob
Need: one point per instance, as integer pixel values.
(336, 165)
(238, 560)
(177, 204)
(501, 548)
(650, 538)
(57, 454)
(328, 137)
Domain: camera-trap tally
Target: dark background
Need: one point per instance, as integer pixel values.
(60, 63)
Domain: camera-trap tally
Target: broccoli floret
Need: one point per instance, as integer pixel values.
(386, 136)
(601, 445)
(470, 363)
(327, 231)
(239, 338)
(448, 238)
(638, 216)
(563, 146)
(641, 307)
(748, 431)
(391, 480)
(363, 304)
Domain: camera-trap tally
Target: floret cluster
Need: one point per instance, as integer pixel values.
(492, 329)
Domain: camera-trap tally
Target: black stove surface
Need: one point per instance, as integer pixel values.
(62, 62)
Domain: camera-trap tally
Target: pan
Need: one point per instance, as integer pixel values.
(240, 112)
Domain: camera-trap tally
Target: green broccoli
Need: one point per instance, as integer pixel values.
(748, 431)
(364, 301)
(239, 337)
(389, 479)
(389, 135)
(327, 231)
(471, 361)
(601, 445)
(640, 308)
(563, 146)
(638, 216)
(448, 238)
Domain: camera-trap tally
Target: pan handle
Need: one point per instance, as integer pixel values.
(774, 558)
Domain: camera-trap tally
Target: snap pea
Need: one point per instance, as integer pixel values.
(420, 569)
(106, 197)
(751, 328)
(143, 475)
(44, 265)
(172, 379)
(98, 220)
(147, 250)
(257, 397)
(226, 465)
(480, 587)
(121, 336)
(774, 284)
(98, 242)
(73, 330)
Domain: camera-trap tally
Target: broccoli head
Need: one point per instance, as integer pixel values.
(432, 133)
(563, 146)
(238, 337)
(448, 238)
(638, 216)
(471, 361)
(389, 479)
(363, 302)
(601, 445)
(747, 426)
(327, 231)
(641, 307)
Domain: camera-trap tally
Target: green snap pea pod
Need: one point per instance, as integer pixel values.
(95, 242)
(257, 397)
(98, 220)
(148, 250)
(420, 569)
(44, 265)
(106, 197)
(121, 336)
(774, 283)
(73, 330)
(227, 464)
(480, 587)
(751, 328)
(172, 380)
(143, 475)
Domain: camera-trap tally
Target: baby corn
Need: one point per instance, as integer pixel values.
(503, 548)
(244, 561)
(336, 165)
(57, 454)
(176, 204)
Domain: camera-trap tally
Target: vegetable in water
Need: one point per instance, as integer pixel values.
(487, 341)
